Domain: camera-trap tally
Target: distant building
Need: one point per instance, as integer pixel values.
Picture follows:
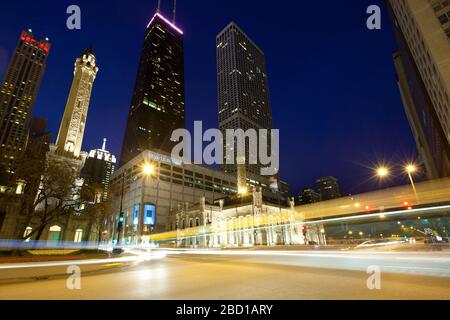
(39, 138)
(328, 188)
(422, 31)
(99, 168)
(243, 89)
(158, 102)
(18, 94)
(71, 132)
(308, 196)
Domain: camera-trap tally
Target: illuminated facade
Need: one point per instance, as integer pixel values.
(18, 94)
(158, 102)
(243, 88)
(99, 168)
(241, 222)
(71, 132)
(422, 29)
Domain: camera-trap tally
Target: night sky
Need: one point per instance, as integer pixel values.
(332, 81)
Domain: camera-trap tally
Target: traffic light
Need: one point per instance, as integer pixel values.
(121, 220)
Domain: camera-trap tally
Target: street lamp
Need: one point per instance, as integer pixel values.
(148, 170)
(382, 172)
(410, 169)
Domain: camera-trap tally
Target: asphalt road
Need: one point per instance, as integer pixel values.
(243, 275)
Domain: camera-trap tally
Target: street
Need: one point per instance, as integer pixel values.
(240, 275)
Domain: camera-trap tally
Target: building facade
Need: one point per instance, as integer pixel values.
(18, 94)
(422, 30)
(241, 222)
(328, 188)
(243, 89)
(158, 102)
(99, 168)
(71, 132)
(308, 196)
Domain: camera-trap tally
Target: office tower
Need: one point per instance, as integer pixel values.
(328, 188)
(158, 102)
(422, 30)
(98, 169)
(39, 139)
(243, 89)
(18, 94)
(71, 132)
(308, 196)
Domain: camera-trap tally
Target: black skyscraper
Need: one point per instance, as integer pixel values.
(18, 94)
(243, 88)
(157, 107)
(328, 188)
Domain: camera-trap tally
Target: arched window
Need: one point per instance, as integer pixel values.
(27, 233)
(54, 233)
(78, 235)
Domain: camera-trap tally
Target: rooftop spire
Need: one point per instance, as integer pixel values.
(104, 144)
(159, 6)
(174, 10)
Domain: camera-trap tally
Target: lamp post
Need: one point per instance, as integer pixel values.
(148, 170)
(410, 169)
(121, 214)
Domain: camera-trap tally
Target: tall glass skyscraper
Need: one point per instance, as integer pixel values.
(244, 101)
(422, 30)
(18, 94)
(158, 103)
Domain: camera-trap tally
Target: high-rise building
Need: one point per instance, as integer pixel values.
(18, 94)
(158, 102)
(243, 89)
(71, 132)
(39, 138)
(308, 196)
(422, 30)
(328, 188)
(98, 169)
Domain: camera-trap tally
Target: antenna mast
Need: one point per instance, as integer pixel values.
(159, 6)
(174, 10)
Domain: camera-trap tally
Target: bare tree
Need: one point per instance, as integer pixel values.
(52, 191)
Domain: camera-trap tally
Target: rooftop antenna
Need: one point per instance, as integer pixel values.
(159, 6)
(174, 10)
(104, 144)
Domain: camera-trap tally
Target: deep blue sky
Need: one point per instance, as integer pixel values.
(332, 81)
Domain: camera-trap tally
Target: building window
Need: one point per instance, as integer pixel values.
(137, 208)
(27, 233)
(78, 236)
(149, 214)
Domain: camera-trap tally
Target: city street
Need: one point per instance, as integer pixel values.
(248, 275)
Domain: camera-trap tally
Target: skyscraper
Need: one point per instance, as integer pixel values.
(98, 169)
(158, 102)
(243, 89)
(328, 188)
(18, 94)
(422, 30)
(71, 132)
(308, 196)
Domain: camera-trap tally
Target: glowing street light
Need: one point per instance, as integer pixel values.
(242, 191)
(148, 169)
(410, 170)
(382, 172)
